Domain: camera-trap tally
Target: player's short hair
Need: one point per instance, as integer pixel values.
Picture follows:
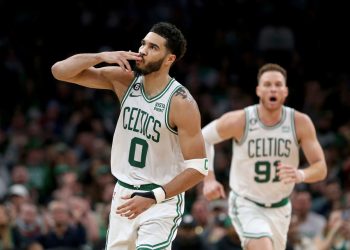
(175, 40)
(272, 67)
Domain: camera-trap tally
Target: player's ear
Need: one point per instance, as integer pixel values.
(171, 58)
(257, 90)
(287, 91)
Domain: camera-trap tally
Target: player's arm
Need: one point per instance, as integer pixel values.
(185, 116)
(306, 133)
(317, 169)
(80, 69)
(228, 126)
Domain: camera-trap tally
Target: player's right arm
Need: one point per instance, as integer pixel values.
(80, 69)
(228, 126)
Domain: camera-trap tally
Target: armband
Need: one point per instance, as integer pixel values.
(201, 165)
(211, 137)
(211, 134)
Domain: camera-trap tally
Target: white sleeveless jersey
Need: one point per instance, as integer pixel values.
(145, 148)
(255, 157)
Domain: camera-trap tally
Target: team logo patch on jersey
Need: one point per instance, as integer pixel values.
(159, 107)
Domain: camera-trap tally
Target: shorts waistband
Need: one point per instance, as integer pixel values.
(280, 203)
(143, 187)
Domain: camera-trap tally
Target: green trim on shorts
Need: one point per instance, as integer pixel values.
(143, 187)
(256, 236)
(278, 204)
(173, 230)
(281, 203)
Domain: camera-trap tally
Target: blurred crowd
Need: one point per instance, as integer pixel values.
(55, 138)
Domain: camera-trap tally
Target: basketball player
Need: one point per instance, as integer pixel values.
(265, 160)
(158, 150)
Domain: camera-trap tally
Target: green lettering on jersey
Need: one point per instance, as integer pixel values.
(267, 147)
(265, 172)
(139, 121)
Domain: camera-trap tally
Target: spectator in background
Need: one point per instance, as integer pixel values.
(329, 200)
(9, 240)
(67, 182)
(17, 195)
(230, 240)
(61, 231)
(80, 209)
(337, 232)
(20, 175)
(29, 225)
(295, 240)
(188, 238)
(310, 223)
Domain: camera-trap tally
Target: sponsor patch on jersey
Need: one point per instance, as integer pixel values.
(159, 106)
(285, 129)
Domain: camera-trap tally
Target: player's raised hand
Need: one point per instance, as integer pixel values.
(212, 189)
(121, 58)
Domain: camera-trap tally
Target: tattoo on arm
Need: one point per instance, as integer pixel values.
(184, 94)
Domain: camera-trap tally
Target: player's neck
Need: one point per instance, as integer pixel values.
(155, 83)
(269, 117)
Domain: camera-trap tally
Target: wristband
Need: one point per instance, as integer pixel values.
(159, 194)
(302, 175)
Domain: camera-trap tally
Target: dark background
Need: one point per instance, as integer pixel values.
(221, 34)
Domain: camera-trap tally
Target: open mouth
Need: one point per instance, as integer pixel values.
(273, 99)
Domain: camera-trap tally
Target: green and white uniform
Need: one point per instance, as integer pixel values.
(259, 200)
(146, 153)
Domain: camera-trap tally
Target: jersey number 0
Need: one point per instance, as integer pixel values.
(137, 153)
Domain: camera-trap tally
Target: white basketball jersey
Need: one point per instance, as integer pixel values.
(145, 148)
(255, 157)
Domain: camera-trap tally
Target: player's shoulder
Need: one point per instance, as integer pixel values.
(301, 116)
(303, 121)
(182, 98)
(183, 108)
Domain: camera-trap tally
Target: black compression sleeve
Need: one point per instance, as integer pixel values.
(149, 195)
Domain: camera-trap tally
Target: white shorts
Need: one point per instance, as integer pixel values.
(155, 228)
(252, 221)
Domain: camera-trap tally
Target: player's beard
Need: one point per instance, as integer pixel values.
(149, 68)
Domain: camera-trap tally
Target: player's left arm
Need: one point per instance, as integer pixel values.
(307, 138)
(306, 134)
(185, 116)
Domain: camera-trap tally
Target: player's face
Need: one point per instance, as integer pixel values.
(272, 90)
(154, 54)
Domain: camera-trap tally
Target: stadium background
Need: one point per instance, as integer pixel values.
(52, 128)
